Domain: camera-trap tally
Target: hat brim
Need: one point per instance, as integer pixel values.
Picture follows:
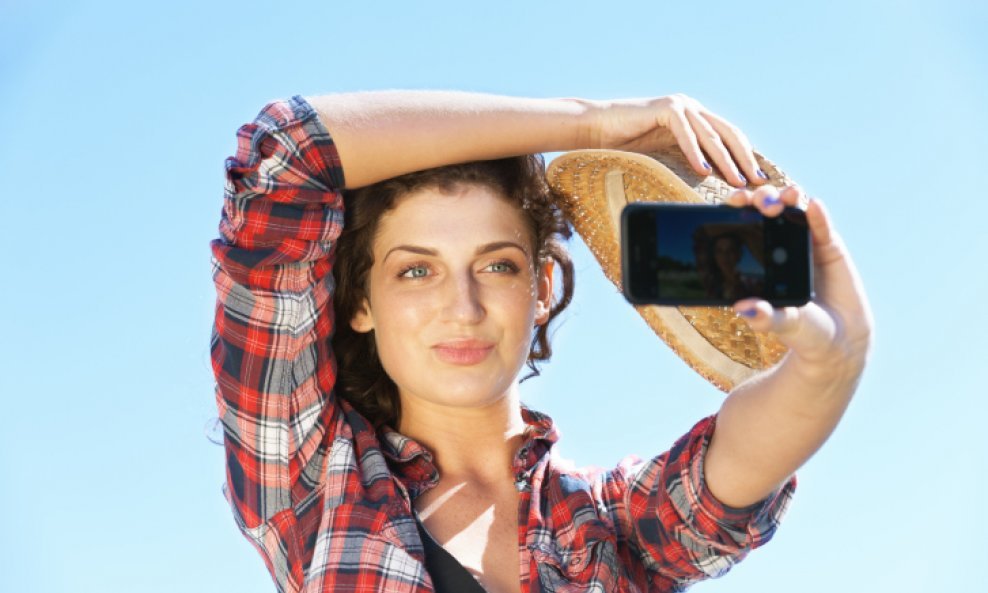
(593, 187)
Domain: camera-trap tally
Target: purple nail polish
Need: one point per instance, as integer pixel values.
(749, 313)
(744, 179)
(772, 201)
(762, 175)
(707, 166)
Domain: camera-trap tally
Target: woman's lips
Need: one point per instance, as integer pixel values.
(463, 352)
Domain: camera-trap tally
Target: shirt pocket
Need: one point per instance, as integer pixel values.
(361, 543)
(581, 563)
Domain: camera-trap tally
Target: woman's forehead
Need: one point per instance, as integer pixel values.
(469, 214)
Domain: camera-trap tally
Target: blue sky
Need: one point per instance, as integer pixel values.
(117, 117)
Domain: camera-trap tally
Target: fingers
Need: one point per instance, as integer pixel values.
(686, 138)
(769, 200)
(739, 145)
(699, 132)
(838, 321)
(712, 144)
(837, 280)
(819, 221)
(827, 246)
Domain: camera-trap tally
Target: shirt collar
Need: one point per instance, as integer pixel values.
(413, 464)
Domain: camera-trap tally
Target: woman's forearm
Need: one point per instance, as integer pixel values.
(769, 426)
(387, 133)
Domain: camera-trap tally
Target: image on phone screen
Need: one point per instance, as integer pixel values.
(709, 256)
(714, 255)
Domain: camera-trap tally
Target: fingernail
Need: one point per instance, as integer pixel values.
(772, 201)
(744, 179)
(707, 166)
(749, 313)
(762, 174)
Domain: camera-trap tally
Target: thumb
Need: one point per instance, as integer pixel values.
(808, 330)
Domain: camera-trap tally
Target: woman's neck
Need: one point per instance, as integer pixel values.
(471, 443)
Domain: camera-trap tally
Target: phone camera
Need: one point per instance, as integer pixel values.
(780, 255)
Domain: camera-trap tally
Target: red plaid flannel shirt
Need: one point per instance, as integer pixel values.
(326, 499)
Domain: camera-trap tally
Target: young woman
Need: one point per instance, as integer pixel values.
(384, 274)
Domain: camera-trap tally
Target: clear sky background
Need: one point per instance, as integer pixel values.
(116, 118)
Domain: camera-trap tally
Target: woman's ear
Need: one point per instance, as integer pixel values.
(362, 321)
(543, 306)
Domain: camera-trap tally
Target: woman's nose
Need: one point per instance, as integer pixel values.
(463, 299)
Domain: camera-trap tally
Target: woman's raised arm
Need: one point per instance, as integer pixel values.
(382, 134)
(770, 425)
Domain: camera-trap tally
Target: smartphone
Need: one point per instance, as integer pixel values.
(705, 255)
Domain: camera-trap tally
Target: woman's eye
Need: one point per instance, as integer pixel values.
(415, 272)
(502, 267)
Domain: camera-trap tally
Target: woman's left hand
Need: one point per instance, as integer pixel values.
(833, 331)
(770, 425)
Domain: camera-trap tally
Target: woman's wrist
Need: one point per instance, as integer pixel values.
(586, 133)
(838, 373)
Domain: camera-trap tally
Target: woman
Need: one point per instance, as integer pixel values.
(727, 281)
(444, 279)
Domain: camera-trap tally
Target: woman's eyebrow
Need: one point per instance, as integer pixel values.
(489, 247)
(410, 249)
(486, 248)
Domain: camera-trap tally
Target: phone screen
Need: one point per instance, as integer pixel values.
(714, 255)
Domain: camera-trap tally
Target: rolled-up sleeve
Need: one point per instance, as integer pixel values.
(663, 510)
(272, 267)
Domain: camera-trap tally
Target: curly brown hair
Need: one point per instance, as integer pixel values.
(521, 180)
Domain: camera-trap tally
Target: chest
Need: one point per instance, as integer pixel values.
(478, 525)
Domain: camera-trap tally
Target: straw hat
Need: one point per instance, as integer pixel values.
(593, 186)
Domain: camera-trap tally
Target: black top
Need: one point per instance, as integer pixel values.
(448, 575)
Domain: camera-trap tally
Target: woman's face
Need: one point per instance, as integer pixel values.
(726, 254)
(454, 295)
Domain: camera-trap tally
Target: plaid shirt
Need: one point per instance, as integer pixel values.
(327, 500)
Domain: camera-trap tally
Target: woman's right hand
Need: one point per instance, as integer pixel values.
(648, 125)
